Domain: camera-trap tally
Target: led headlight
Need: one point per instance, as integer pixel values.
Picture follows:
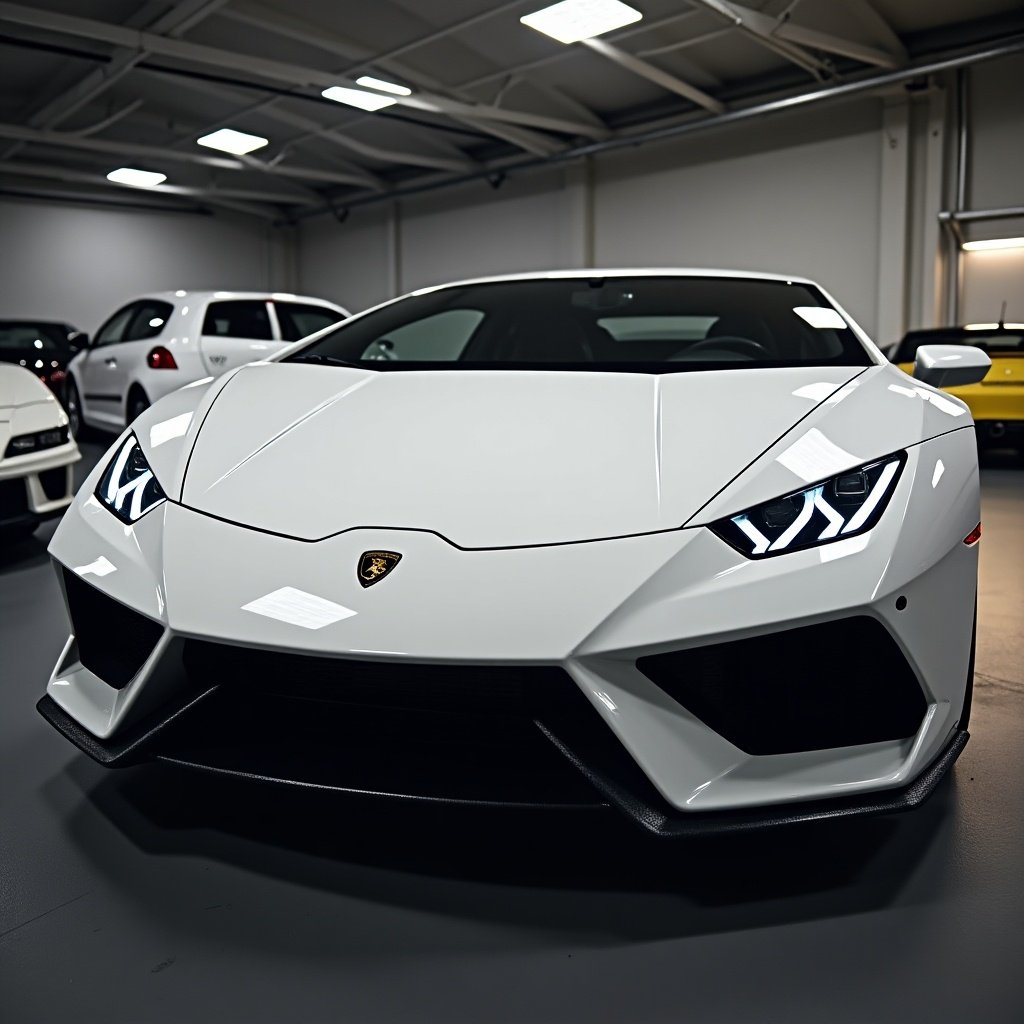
(128, 487)
(842, 507)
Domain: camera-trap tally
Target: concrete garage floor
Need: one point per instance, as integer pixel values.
(150, 895)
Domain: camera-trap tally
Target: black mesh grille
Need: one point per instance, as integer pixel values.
(476, 689)
(13, 499)
(113, 641)
(835, 684)
(55, 482)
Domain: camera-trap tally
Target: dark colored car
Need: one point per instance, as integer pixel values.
(43, 346)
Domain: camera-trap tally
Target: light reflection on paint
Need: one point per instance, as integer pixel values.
(101, 567)
(812, 456)
(168, 430)
(937, 474)
(298, 608)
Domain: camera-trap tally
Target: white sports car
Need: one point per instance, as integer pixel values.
(679, 542)
(157, 344)
(36, 453)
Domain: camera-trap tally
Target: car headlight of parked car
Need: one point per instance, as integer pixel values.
(844, 506)
(129, 487)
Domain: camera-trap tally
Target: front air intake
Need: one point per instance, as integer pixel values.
(113, 641)
(835, 684)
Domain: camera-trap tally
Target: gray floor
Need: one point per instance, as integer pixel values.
(148, 895)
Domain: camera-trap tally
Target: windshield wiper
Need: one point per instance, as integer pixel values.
(316, 357)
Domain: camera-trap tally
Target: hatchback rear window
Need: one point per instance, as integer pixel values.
(238, 318)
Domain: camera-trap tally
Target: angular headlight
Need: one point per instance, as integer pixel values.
(842, 507)
(128, 488)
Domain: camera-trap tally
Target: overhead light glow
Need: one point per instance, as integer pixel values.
(993, 327)
(227, 140)
(573, 20)
(357, 98)
(382, 86)
(994, 243)
(136, 178)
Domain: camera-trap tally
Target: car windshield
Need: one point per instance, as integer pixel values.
(20, 335)
(993, 340)
(643, 324)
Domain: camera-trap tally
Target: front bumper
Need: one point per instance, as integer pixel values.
(37, 486)
(580, 616)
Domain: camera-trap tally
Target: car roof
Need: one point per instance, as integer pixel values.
(197, 295)
(587, 273)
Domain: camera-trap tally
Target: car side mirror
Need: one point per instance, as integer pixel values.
(951, 366)
(79, 342)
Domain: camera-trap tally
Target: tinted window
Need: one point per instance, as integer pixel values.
(992, 341)
(148, 320)
(113, 329)
(298, 320)
(239, 318)
(644, 324)
(15, 335)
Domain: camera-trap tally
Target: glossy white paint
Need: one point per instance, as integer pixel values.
(107, 373)
(950, 366)
(27, 406)
(557, 460)
(485, 459)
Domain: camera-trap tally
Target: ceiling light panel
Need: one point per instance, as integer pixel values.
(227, 140)
(357, 98)
(382, 86)
(573, 20)
(994, 243)
(137, 178)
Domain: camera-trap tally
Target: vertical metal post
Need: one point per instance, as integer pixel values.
(956, 283)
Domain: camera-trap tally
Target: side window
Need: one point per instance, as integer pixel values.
(442, 336)
(238, 318)
(299, 321)
(113, 330)
(148, 320)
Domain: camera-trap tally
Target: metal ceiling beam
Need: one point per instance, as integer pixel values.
(239, 200)
(874, 22)
(830, 43)
(161, 154)
(179, 19)
(346, 142)
(361, 58)
(818, 96)
(644, 69)
(564, 52)
(115, 35)
(762, 29)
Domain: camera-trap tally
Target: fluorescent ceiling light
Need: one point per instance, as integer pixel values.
(994, 243)
(357, 98)
(227, 140)
(573, 20)
(993, 327)
(140, 179)
(377, 83)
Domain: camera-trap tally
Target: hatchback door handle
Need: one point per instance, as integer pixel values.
(110, 362)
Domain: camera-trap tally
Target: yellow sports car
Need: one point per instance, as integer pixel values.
(997, 403)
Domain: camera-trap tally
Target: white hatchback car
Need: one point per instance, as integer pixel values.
(157, 344)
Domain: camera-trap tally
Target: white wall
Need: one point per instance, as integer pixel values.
(995, 180)
(793, 195)
(78, 264)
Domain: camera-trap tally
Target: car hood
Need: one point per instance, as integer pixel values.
(19, 387)
(486, 459)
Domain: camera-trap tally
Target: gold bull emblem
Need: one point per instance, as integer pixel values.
(375, 565)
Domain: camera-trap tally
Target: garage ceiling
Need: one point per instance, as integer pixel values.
(87, 86)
